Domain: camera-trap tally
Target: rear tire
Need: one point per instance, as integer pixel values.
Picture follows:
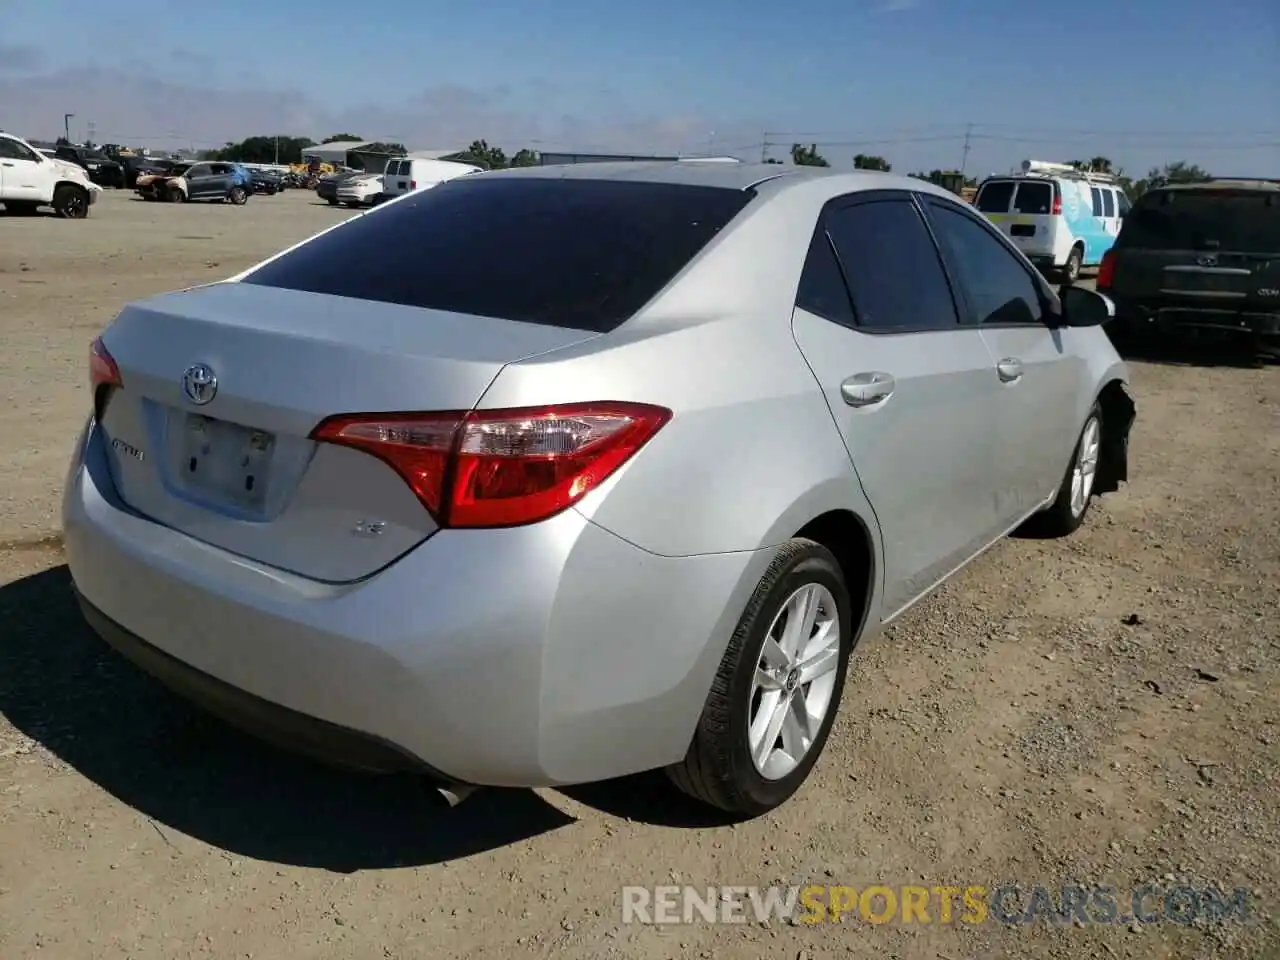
(1071, 505)
(333, 201)
(760, 684)
(71, 202)
(1071, 269)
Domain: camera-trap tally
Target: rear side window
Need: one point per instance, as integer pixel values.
(1108, 203)
(393, 167)
(1034, 198)
(1246, 221)
(1095, 195)
(995, 196)
(822, 289)
(585, 254)
(892, 266)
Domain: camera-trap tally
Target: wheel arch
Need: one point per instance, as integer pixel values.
(850, 540)
(1118, 414)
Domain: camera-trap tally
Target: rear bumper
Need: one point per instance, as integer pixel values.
(548, 654)
(269, 721)
(1163, 315)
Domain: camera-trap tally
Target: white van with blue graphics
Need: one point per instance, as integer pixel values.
(1062, 218)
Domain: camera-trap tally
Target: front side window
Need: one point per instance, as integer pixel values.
(583, 254)
(998, 287)
(892, 268)
(11, 149)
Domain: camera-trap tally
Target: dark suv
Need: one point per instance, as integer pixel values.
(1199, 256)
(102, 169)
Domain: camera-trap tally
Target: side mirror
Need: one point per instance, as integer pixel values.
(1082, 307)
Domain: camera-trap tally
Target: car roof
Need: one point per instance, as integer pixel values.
(764, 177)
(1221, 183)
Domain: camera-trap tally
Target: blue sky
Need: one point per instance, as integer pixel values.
(1141, 82)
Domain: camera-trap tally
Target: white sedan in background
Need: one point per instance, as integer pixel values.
(360, 191)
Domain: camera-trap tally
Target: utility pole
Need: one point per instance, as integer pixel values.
(93, 130)
(277, 149)
(66, 125)
(964, 162)
(764, 146)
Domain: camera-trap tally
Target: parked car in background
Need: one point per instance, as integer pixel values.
(30, 180)
(362, 190)
(102, 169)
(327, 186)
(205, 180)
(1062, 219)
(1199, 256)
(136, 166)
(691, 431)
(409, 174)
(264, 181)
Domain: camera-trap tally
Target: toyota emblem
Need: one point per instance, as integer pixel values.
(200, 383)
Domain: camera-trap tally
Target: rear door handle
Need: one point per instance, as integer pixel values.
(867, 389)
(1010, 369)
(6, 164)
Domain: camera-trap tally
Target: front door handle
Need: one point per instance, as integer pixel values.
(6, 164)
(1010, 369)
(866, 389)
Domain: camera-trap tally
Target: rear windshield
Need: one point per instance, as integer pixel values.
(995, 197)
(1247, 221)
(585, 254)
(393, 167)
(1034, 198)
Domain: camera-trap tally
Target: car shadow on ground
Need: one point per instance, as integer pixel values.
(61, 686)
(1188, 351)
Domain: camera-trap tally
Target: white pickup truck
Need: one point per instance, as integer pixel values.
(29, 180)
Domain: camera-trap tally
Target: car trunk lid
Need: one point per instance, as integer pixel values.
(223, 384)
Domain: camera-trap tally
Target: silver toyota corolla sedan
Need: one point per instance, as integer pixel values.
(553, 475)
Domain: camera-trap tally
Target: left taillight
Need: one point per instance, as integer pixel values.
(103, 371)
(1106, 271)
(501, 468)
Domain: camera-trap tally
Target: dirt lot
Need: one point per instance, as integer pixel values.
(1098, 711)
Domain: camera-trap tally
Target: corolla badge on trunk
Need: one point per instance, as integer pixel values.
(200, 383)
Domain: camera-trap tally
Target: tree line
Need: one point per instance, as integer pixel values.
(1179, 171)
(286, 149)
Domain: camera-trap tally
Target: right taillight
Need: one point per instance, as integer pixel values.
(501, 468)
(103, 371)
(1106, 270)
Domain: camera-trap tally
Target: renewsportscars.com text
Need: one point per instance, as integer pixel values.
(939, 904)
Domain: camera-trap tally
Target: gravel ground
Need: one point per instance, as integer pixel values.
(1101, 710)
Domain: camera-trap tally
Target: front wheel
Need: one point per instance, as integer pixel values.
(238, 196)
(71, 202)
(1071, 505)
(774, 698)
